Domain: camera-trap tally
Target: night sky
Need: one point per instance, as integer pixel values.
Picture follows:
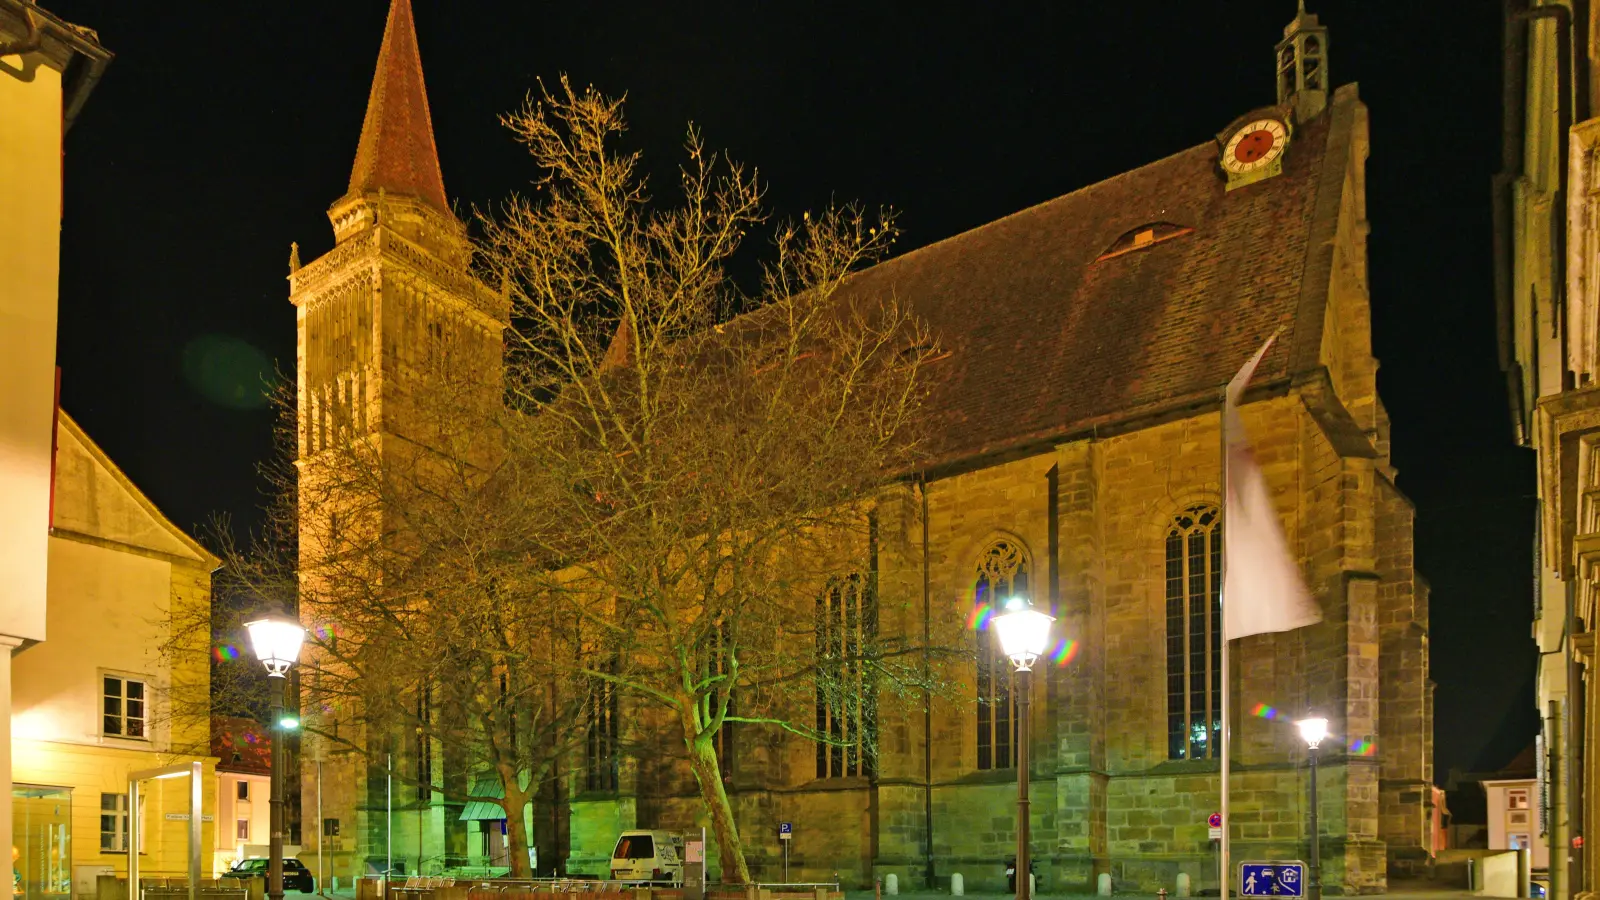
(224, 130)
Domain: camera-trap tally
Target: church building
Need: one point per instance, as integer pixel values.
(1074, 456)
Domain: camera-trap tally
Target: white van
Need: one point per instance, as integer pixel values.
(648, 856)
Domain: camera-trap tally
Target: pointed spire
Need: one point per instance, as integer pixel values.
(619, 354)
(397, 152)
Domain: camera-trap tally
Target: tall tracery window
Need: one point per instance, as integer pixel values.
(600, 738)
(424, 748)
(1002, 573)
(847, 621)
(1194, 633)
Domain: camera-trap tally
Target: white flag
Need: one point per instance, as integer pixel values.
(1262, 589)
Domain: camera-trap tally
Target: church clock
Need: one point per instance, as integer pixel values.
(1254, 151)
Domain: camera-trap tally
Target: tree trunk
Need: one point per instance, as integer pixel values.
(515, 803)
(730, 853)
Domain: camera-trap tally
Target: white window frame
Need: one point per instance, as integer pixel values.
(123, 701)
(119, 831)
(121, 812)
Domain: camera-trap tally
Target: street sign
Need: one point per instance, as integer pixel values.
(1272, 879)
(184, 817)
(785, 831)
(1214, 833)
(1215, 821)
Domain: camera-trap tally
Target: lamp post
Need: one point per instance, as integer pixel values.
(1314, 730)
(276, 639)
(1024, 634)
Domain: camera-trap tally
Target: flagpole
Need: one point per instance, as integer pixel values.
(1227, 682)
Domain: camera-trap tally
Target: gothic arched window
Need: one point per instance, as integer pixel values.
(1002, 573)
(847, 712)
(1194, 633)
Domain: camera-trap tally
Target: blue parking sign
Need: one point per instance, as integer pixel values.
(785, 828)
(1272, 879)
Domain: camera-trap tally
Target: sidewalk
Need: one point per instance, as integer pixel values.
(1405, 892)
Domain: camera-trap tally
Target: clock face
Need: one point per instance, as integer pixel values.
(1255, 146)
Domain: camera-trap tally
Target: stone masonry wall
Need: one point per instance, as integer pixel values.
(1092, 516)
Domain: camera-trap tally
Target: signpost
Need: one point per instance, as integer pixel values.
(1272, 879)
(694, 868)
(785, 834)
(1214, 825)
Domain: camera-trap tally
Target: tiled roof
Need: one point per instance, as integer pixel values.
(397, 152)
(1048, 340)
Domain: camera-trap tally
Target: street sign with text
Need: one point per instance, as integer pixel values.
(1272, 879)
(785, 831)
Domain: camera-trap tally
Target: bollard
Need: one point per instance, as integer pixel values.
(1161, 894)
(1033, 884)
(891, 884)
(877, 888)
(957, 885)
(1103, 884)
(1183, 885)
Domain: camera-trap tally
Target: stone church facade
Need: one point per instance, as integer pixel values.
(1075, 457)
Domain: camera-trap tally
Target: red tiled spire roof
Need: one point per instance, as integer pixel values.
(397, 152)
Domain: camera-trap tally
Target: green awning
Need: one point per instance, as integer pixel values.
(484, 810)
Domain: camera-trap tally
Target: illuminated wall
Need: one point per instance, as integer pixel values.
(118, 570)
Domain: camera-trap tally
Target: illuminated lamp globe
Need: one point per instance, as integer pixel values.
(1024, 632)
(276, 639)
(1313, 730)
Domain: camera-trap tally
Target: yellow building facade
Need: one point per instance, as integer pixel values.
(47, 69)
(111, 692)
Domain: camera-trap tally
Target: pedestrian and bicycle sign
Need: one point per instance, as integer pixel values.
(1272, 879)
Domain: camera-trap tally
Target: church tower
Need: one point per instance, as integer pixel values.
(389, 316)
(394, 301)
(1303, 66)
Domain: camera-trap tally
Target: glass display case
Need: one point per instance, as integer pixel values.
(41, 850)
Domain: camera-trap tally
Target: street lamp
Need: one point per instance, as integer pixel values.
(1314, 730)
(276, 639)
(1024, 634)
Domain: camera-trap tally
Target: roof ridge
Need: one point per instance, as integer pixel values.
(1042, 203)
(99, 455)
(397, 153)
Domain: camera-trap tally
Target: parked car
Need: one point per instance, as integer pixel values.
(648, 856)
(295, 874)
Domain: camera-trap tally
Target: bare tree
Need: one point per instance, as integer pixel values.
(704, 477)
(428, 611)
